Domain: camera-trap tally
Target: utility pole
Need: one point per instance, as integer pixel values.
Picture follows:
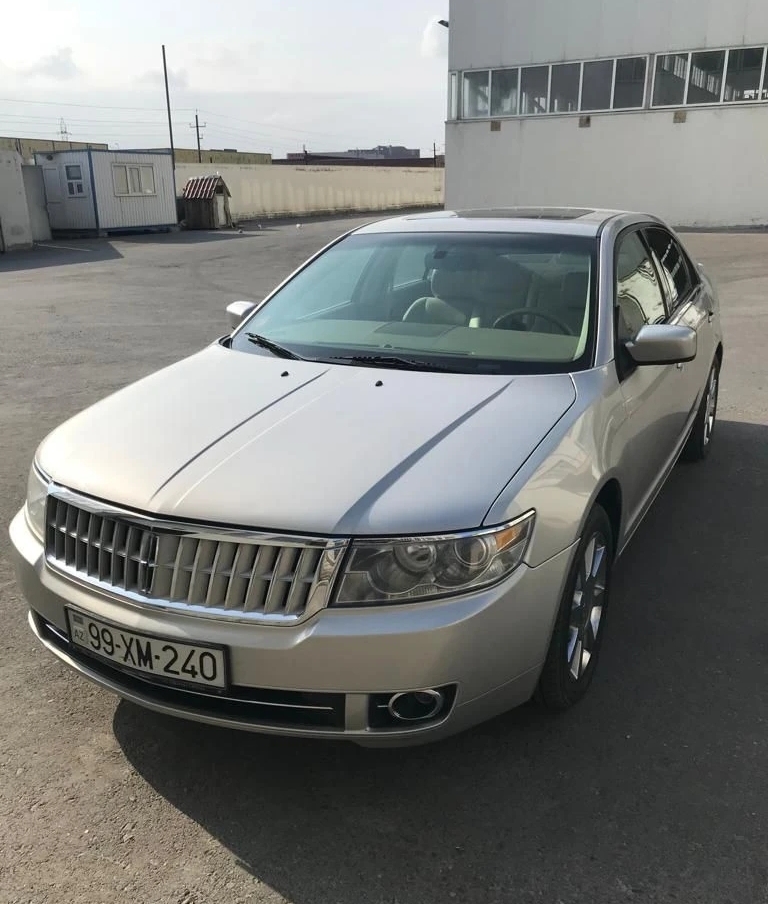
(63, 130)
(168, 104)
(197, 128)
(434, 153)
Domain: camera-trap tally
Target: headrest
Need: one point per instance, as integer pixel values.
(504, 278)
(456, 285)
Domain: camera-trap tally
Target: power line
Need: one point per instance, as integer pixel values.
(58, 103)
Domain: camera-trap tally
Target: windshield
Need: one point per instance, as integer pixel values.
(504, 303)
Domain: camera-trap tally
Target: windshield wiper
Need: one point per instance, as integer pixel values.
(273, 347)
(390, 361)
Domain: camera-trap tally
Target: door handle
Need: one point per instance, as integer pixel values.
(679, 366)
(710, 316)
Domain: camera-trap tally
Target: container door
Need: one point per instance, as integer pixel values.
(54, 197)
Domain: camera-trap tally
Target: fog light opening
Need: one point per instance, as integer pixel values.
(416, 706)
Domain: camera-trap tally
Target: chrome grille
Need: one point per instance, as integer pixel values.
(214, 573)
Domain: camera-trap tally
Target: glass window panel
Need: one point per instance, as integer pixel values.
(534, 82)
(475, 95)
(120, 175)
(742, 81)
(639, 296)
(596, 86)
(453, 102)
(629, 91)
(147, 180)
(673, 265)
(706, 81)
(74, 172)
(134, 180)
(669, 84)
(504, 91)
(564, 96)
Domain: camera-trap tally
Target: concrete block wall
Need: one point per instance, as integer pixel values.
(271, 191)
(15, 225)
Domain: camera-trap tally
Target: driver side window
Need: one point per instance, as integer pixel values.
(639, 296)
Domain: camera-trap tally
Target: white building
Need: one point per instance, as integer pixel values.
(108, 191)
(654, 105)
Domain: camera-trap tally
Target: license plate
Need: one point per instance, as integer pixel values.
(164, 659)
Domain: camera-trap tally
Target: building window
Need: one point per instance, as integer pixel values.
(534, 87)
(705, 82)
(742, 80)
(564, 93)
(678, 79)
(629, 88)
(669, 80)
(75, 186)
(453, 96)
(474, 95)
(597, 85)
(133, 179)
(504, 92)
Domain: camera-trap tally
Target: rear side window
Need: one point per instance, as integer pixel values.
(639, 296)
(674, 265)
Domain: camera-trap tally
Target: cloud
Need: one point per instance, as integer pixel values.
(434, 42)
(59, 66)
(177, 78)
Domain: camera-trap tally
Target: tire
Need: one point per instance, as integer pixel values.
(577, 636)
(700, 441)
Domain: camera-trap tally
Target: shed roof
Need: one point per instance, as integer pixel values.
(204, 188)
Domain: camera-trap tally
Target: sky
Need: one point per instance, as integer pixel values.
(265, 75)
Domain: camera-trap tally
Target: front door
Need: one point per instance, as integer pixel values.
(655, 396)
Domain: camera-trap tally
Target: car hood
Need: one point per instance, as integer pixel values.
(245, 439)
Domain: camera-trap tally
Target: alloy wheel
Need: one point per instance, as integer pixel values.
(711, 405)
(587, 606)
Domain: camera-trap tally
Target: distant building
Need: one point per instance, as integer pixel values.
(222, 155)
(381, 152)
(28, 147)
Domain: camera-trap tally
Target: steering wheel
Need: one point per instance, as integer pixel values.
(532, 312)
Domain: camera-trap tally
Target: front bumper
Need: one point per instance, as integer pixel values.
(325, 677)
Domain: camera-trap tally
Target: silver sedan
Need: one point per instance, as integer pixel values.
(386, 507)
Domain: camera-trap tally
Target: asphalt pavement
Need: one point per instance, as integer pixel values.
(651, 790)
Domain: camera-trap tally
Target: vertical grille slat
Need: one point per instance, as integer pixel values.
(157, 564)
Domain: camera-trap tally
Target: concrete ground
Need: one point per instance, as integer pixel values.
(652, 790)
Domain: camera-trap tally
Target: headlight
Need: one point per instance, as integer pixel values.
(421, 568)
(37, 493)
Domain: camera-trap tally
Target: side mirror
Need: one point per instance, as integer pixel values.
(237, 311)
(663, 343)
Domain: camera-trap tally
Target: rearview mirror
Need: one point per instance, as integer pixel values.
(663, 343)
(237, 311)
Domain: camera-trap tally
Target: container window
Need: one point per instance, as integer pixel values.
(147, 180)
(120, 178)
(74, 172)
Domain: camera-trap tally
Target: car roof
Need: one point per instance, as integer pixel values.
(555, 220)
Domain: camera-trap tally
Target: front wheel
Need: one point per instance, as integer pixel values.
(700, 441)
(575, 646)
